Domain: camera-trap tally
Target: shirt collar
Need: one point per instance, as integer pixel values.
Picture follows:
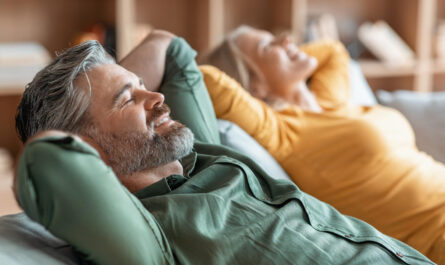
(171, 182)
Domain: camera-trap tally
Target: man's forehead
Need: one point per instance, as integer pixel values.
(105, 78)
(110, 72)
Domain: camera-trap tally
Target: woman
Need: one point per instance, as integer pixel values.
(362, 160)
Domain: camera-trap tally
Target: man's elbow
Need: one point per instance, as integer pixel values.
(43, 134)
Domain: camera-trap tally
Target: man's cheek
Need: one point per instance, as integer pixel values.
(135, 120)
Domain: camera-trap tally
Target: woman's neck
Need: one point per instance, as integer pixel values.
(298, 95)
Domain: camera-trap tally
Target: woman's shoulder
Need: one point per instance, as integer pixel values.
(210, 71)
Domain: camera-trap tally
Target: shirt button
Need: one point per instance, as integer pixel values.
(171, 181)
(348, 236)
(399, 254)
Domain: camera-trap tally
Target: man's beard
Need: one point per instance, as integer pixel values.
(131, 151)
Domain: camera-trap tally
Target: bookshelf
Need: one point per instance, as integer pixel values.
(204, 22)
(413, 20)
(53, 23)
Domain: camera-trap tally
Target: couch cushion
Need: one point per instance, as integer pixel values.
(233, 136)
(361, 93)
(425, 112)
(23, 241)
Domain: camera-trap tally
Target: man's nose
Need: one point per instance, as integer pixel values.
(153, 99)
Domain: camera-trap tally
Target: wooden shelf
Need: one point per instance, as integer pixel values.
(438, 67)
(376, 69)
(53, 23)
(9, 91)
(13, 79)
(203, 23)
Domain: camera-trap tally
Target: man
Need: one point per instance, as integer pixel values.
(182, 203)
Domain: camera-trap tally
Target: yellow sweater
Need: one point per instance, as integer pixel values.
(362, 160)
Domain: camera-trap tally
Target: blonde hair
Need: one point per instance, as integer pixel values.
(228, 57)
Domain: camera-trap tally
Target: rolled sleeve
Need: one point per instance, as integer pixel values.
(65, 186)
(186, 94)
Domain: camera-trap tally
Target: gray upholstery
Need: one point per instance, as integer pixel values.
(23, 241)
(361, 93)
(234, 137)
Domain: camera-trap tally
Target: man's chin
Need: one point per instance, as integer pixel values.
(172, 145)
(132, 152)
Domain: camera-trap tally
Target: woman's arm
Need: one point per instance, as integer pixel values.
(274, 130)
(330, 81)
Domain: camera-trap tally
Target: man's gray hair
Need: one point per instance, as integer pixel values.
(52, 100)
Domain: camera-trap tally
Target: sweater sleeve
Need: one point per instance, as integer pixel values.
(275, 130)
(330, 81)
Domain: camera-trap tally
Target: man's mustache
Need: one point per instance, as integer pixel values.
(157, 112)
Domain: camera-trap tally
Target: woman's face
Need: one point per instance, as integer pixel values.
(278, 59)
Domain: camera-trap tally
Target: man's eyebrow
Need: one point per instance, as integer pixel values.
(116, 97)
(126, 87)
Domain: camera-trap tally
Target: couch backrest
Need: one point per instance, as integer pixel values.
(23, 241)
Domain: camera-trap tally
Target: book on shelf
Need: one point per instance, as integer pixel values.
(385, 44)
(22, 53)
(5, 163)
(19, 62)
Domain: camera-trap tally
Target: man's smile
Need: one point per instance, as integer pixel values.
(162, 122)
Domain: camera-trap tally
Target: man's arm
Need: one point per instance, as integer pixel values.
(64, 185)
(186, 94)
(147, 60)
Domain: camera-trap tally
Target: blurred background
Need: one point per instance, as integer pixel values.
(399, 44)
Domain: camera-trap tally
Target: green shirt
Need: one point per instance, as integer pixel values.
(224, 210)
(228, 211)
